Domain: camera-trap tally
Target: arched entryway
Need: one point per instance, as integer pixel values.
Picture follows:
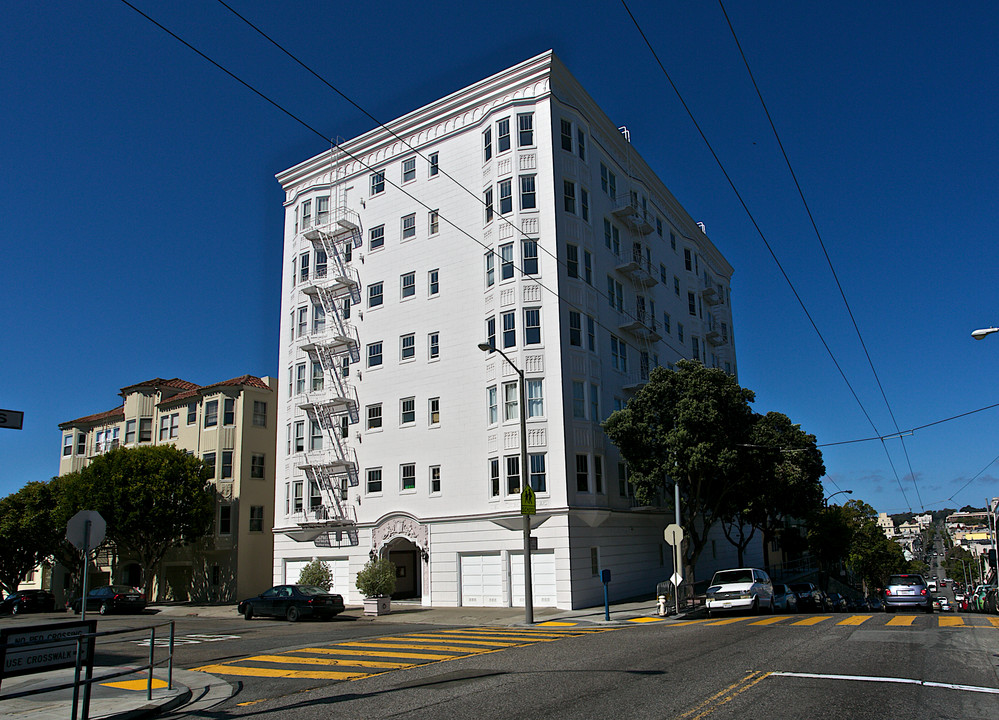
(406, 557)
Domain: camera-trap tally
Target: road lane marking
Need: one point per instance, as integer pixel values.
(814, 620)
(901, 621)
(951, 621)
(403, 646)
(646, 619)
(994, 621)
(453, 639)
(136, 684)
(903, 681)
(296, 660)
(279, 672)
(335, 650)
(768, 621)
(855, 620)
(726, 621)
(720, 698)
(555, 623)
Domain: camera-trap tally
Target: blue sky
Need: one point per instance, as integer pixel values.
(141, 223)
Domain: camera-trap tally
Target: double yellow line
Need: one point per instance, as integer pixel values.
(720, 698)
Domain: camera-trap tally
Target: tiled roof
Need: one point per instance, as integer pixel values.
(117, 414)
(160, 382)
(243, 380)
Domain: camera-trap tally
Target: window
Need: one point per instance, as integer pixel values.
(375, 294)
(164, 427)
(433, 345)
(575, 329)
(322, 210)
(494, 477)
(691, 304)
(676, 286)
(503, 135)
(433, 282)
(322, 262)
(407, 284)
(536, 462)
(679, 332)
(594, 403)
(569, 196)
(300, 436)
(374, 354)
(434, 411)
(622, 480)
(407, 476)
(435, 479)
(211, 416)
(696, 348)
(487, 144)
(225, 519)
(488, 200)
(506, 261)
(174, 428)
(377, 182)
(256, 518)
(374, 416)
(315, 436)
(578, 400)
(407, 347)
(566, 135)
(619, 354)
(608, 182)
(511, 396)
(227, 465)
(318, 319)
(598, 473)
(409, 169)
(192, 416)
(67, 445)
(612, 237)
(687, 259)
(667, 323)
(505, 196)
(130, 431)
(581, 144)
(376, 237)
(257, 466)
(434, 222)
(491, 332)
(493, 414)
(659, 226)
(535, 399)
(303, 321)
(528, 193)
(306, 214)
(146, 424)
(296, 490)
(572, 261)
(209, 460)
(509, 329)
(374, 481)
(615, 294)
(582, 473)
(228, 413)
(584, 204)
(513, 474)
(435, 167)
(490, 269)
(532, 326)
(259, 413)
(409, 226)
(407, 411)
(672, 240)
(303, 266)
(300, 378)
(588, 267)
(525, 129)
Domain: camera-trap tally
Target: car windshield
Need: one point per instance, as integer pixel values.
(311, 590)
(121, 589)
(727, 577)
(906, 580)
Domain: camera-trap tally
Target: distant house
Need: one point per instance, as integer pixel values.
(231, 426)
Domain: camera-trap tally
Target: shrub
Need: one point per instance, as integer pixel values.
(377, 578)
(317, 573)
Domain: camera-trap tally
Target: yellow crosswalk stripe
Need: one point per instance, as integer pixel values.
(994, 621)
(405, 646)
(297, 660)
(814, 620)
(901, 621)
(768, 621)
(279, 673)
(453, 639)
(855, 620)
(951, 621)
(336, 650)
(727, 621)
(555, 623)
(646, 619)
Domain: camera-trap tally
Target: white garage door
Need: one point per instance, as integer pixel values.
(339, 567)
(542, 578)
(481, 581)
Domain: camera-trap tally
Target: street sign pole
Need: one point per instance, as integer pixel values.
(86, 564)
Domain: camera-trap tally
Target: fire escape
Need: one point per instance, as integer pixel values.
(331, 401)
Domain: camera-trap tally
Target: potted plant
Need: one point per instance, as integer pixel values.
(376, 581)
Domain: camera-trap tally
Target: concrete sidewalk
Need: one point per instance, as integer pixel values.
(125, 698)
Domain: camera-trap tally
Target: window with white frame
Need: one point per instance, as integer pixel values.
(569, 196)
(594, 403)
(487, 144)
(493, 409)
(407, 347)
(487, 199)
(433, 282)
(509, 329)
(300, 378)
(434, 222)
(512, 474)
(318, 319)
(608, 182)
(209, 461)
(539, 482)
(619, 354)
(582, 473)
(435, 167)
(532, 326)
(505, 196)
(409, 169)
(228, 412)
(435, 479)
(257, 465)
(407, 477)
(572, 261)
(615, 294)
(303, 266)
(374, 415)
(491, 332)
(612, 237)
(581, 144)
(525, 129)
(318, 377)
(578, 400)
(434, 411)
(409, 226)
(374, 354)
(322, 210)
(407, 411)
(67, 445)
(376, 237)
(490, 269)
(584, 204)
(494, 477)
(376, 294)
(528, 193)
(130, 429)
(259, 413)
(377, 182)
(503, 135)
(192, 415)
(226, 465)
(575, 329)
(511, 399)
(535, 398)
(303, 321)
(566, 134)
(433, 345)
(211, 417)
(587, 267)
(407, 285)
(506, 261)
(299, 436)
(373, 481)
(598, 474)
(146, 424)
(591, 333)
(529, 256)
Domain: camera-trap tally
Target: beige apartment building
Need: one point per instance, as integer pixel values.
(231, 426)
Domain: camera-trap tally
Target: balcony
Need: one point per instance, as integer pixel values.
(710, 294)
(642, 325)
(632, 215)
(638, 268)
(341, 224)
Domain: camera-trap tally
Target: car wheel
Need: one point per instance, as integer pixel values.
(104, 610)
(755, 609)
(293, 614)
(16, 609)
(248, 612)
(929, 610)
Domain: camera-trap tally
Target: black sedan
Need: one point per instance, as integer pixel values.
(111, 599)
(24, 601)
(293, 602)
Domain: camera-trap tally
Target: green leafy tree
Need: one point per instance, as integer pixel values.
(830, 533)
(873, 557)
(687, 424)
(28, 535)
(377, 578)
(317, 573)
(153, 499)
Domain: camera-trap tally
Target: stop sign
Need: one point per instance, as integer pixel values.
(86, 529)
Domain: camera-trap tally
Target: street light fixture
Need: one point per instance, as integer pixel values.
(980, 334)
(825, 502)
(524, 477)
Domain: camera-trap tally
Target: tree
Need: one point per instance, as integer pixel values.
(873, 557)
(317, 573)
(688, 425)
(152, 498)
(28, 535)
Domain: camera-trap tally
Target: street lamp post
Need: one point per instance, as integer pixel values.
(524, 478)
(980, 334)
(825, 503)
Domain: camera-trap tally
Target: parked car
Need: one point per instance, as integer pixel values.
(907, 591)
(875, 603)
(292, 602)
(25, 601)
(111, 599)
(740, 589)
(785, 600)
(837, 603)
(809, 596)
(944, 604)
(858, 604)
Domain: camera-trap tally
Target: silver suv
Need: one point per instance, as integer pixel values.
(907, 591)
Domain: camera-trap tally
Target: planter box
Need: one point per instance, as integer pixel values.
(377, 606)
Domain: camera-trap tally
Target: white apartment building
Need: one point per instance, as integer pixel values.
(513, 212)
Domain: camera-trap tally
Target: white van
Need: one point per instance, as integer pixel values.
(740, 589)
(931, 585)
